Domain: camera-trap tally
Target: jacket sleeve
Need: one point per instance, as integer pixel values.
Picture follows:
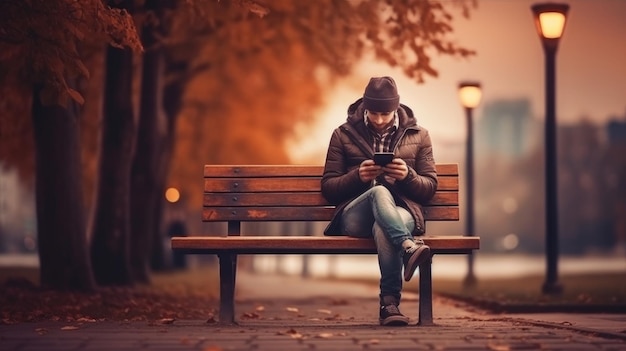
(421, 183)
(339, 181)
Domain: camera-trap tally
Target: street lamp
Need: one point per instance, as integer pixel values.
(469, 94)
(550, 20)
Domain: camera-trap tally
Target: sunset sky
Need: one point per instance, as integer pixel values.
(510, 63)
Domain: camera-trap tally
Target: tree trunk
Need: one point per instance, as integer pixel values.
(163, 161)
(145, 187)
(61, 230)
(172, 102)
(111, 225)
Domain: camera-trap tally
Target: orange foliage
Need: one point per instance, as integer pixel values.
(265, 71)
(40, 39)
(48, 43)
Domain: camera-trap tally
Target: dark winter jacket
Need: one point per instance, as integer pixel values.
(351, 144)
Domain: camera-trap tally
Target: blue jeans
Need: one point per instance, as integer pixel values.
(375, 213)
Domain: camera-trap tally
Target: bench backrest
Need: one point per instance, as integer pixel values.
(292, 193)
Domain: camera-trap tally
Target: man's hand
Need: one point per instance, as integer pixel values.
(368, 171)
(397, 169)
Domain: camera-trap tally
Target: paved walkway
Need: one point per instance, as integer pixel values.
(289, 313)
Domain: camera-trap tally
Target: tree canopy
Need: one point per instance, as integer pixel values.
(262, 71)
(41, 39)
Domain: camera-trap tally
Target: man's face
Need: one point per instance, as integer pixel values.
(380, 120)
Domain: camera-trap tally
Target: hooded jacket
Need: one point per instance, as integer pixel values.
(351, 144)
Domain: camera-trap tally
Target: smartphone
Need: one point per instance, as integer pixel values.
(383, 158)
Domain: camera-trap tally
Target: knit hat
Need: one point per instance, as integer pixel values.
(381, 95)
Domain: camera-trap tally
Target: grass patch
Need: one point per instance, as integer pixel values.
(599, 292)
(585, 288)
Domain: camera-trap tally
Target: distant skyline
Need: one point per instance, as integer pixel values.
(510, 64)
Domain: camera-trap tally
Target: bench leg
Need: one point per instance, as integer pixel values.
(426, 294)
(228, 271)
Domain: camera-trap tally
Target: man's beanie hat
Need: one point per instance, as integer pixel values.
(381, 95)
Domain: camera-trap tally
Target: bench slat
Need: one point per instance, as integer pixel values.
(291, 170)
(236, 185)
(256, 213)
(297, 199)
(311, 244)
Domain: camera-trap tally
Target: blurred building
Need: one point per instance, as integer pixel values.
(507, 137)
(583, 221)
(506, 129)
(616, 177)
(616, 130)
(510, 186)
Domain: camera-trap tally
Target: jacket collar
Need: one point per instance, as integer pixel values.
(356, 126)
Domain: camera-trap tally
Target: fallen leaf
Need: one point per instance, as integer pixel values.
(498, 347)
(325, 311)
(292, 333)
(250, 315)
(296, 336)
(332, 318)
(292, 309)
(324, 335)
(166, 321)
(86, 320)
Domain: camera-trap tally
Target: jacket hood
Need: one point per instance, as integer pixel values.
(356, 110)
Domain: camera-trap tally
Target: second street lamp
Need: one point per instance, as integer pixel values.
(550, 22)
(470, 94)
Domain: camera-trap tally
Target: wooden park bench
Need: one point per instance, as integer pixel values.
(242, 193)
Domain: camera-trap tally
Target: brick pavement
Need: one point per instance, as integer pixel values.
(288, 313)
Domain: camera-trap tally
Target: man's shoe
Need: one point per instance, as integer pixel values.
(413, 258)
(390, 316)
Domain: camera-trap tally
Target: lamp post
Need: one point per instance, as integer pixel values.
(550, 22)
(469, 94)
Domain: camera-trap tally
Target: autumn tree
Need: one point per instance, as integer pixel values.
(266, 69)
(40, 44)
(110, 246)
(148, 168)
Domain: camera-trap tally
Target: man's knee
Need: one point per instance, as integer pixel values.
(381, 193)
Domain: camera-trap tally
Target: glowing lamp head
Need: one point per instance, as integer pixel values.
(550, 19)
(470, 94)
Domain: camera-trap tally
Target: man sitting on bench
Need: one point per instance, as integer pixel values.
(382, 197)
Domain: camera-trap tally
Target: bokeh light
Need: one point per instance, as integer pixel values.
(172, 195)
